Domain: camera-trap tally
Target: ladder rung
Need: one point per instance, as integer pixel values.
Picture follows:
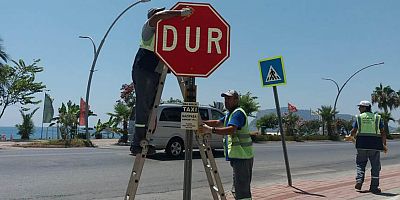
(215, 188)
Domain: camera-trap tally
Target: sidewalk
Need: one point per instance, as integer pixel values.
(333, 188)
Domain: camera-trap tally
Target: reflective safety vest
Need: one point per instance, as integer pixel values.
(239, 145)
(368, 133)
(148, 44)
(368, 124)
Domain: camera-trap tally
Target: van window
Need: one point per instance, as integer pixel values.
(204, 114)
(171, 114)
(216, 114)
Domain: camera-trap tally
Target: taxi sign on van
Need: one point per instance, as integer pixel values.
(190, 116)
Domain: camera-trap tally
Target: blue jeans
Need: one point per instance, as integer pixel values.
(361, 160)
(146, 82)
(242, 172)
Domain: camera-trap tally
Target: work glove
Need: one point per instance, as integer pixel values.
(350, 138)
(186, 12)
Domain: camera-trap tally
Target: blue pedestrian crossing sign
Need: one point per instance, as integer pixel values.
(272, 71)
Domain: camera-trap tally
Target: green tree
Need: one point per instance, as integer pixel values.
(27, 127)
(110, 125)
(3, 54)
(249, 104)
(387, 99)
(268, 121)
(398, 99)
(309, 127)
(68, 119)
(173, 101)
(290, 122)
(327, 114)
(99, 127)
(18, 84)
(346, 124)
(121, 116)
(386, 117)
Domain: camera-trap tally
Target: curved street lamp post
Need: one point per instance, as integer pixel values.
(339, 90)
(96, 55)
(88, 88)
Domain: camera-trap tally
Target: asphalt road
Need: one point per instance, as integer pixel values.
(87, 173)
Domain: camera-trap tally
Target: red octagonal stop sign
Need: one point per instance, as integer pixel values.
(195, 45)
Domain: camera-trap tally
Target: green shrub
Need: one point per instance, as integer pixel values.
(316, 137)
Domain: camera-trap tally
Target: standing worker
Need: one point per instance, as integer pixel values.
(368, 133)
(146, 72)
(238, 147)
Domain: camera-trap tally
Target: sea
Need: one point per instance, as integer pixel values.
(11, 133)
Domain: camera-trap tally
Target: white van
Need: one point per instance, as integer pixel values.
(169, 135)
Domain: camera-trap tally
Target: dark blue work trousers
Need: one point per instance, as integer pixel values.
(146, 81)
(242, 172)
(361, 160)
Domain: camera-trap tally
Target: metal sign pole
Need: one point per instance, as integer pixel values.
(278, 111)
(190, 96)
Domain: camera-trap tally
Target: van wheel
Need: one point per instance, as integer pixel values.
(175, 147)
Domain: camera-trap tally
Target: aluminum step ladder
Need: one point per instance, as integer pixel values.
(202, 141)
(140, 158)
(210, 167)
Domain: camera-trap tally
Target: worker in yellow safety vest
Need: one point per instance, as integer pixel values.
(146, 72)
(370, 138)
(237, 143)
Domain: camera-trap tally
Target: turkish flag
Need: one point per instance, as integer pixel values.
(292, 108)
(82, 116)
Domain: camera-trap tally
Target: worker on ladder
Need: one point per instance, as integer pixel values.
(146, 71)
(238, 147)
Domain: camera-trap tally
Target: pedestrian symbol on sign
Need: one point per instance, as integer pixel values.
(272, 71)
(272, 75)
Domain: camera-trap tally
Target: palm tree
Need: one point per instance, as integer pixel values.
(27, 127)
(398, 99)
(3, 54)
(327, 113)
(386, 117)
(387, 99)
(121, 115)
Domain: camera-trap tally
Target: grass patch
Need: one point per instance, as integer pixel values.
(57, 144)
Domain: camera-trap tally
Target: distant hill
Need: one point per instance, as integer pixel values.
(304, 114)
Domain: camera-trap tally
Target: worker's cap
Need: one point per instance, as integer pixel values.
(230, 93)
(364, 103)
(153, 11)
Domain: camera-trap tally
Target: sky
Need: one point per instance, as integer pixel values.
(317, 39)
